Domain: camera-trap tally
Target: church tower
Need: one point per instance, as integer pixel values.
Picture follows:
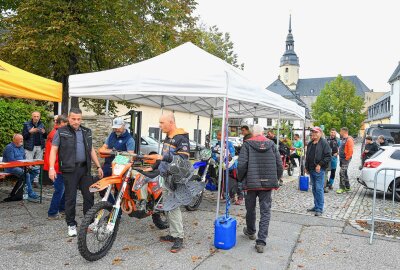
(289, 67)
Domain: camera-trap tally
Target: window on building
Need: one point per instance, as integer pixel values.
(269, 122)
(391, 89)
(287, 70)
(391, 110)
(255, 120)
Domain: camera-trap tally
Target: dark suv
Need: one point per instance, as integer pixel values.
(391, 132)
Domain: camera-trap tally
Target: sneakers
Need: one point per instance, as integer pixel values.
(168, 238)
(72, 231)
(260, 248)
(251, 236)
(311, 209)
(239, 201)
(347, 189)
(326, 190)
(340, 191)
(177, 246)
(34, 199)
(317, 214)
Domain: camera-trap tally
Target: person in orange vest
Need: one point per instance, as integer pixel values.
(57, 204)
(345, 154)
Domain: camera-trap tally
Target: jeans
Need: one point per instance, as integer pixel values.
(317, 180)
(32, 173)
(57, 203)
(36, 153)
(265, 201)
(72, 181)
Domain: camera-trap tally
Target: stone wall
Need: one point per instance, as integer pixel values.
(100, 126)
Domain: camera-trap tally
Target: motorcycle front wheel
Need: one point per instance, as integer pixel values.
(195, 203)
(94, 241)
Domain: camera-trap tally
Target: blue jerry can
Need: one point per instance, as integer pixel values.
(225, 232)
(304, 182)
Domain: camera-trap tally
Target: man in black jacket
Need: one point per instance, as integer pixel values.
(73, 143)
(318, 158)
(260, 168)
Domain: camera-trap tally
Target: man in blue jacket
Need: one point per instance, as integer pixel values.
(34, 138)
(15, 151)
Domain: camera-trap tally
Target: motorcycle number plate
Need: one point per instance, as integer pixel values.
(118, 169)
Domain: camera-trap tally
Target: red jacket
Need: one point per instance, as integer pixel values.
(47, 152)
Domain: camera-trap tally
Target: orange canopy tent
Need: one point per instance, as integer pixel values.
(15, 82)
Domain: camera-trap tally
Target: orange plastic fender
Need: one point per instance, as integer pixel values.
(105, 182)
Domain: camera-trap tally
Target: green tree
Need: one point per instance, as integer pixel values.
(338, 106)
(58, 38)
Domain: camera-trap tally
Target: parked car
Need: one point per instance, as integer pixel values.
(237, 141)
(149, 145)
(386, 157)
(391, 133)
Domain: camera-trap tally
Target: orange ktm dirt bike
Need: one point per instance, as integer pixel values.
(139, 195)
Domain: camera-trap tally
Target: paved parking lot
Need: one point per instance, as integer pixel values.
(30, 241)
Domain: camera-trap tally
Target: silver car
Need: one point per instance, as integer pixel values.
(149, 145)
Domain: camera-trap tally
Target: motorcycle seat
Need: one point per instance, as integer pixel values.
(152, 174)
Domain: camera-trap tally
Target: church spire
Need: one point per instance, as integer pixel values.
(290, 57)
(289, 68)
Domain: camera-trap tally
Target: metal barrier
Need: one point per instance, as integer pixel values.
(383, 218)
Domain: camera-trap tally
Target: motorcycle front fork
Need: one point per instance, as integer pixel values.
(117, 205)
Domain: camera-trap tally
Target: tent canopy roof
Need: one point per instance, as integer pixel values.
(15, 82)
(186, 79)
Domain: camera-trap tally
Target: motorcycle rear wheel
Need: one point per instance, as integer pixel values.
(103, 240)
(160, 220)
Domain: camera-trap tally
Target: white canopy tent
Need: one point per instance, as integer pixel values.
(187, 79)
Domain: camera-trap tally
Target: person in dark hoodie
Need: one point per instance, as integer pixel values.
(318, 157)
(259, 168)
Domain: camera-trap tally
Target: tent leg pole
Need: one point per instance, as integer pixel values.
(59, 108)
(107, 105)
(211, 126)
(221, 156)
(279, 127)
(159, 133)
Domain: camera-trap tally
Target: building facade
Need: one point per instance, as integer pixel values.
(394, 82)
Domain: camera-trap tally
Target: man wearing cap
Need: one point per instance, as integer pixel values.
(120, 140)
(318, 157)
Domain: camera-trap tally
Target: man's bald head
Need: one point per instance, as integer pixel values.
(167, 122)
(18, 140)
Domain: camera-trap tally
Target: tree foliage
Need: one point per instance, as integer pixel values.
(57, 38)
(338, 106)
(13, 113)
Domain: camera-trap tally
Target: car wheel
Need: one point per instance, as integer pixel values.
(396, 189)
